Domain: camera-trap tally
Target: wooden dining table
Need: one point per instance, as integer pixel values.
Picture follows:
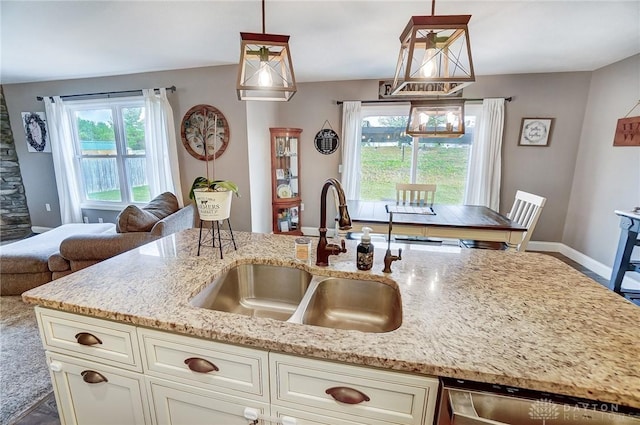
(443, 221)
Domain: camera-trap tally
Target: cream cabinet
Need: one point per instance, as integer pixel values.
(353, 393)
(109, 372)
(177, 404)
(88, 392)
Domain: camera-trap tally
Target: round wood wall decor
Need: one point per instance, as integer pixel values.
(205, 124)
(326, 141)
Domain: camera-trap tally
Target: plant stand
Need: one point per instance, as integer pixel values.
(213, 233)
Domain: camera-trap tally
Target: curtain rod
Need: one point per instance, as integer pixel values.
(107, 93)
(340, 102)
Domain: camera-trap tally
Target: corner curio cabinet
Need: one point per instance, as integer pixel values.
(285, 180)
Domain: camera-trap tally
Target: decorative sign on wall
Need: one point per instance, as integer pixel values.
(205, 129)
(35, 129)
(628, 130)
(326, 140)
(535, 131)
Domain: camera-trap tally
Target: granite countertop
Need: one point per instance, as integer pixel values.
(520, 319)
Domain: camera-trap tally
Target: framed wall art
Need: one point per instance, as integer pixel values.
(205, 132)
(535, 131)
(35, 130)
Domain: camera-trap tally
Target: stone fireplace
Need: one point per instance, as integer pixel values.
(15, 222)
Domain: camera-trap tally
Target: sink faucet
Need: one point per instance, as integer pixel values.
(388, 257)
(326, 249)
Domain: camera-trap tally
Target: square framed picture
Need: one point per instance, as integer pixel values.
(535, 131)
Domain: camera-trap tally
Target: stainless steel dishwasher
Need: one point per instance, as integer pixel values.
(470, 403)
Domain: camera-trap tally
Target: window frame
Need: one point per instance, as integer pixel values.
(116, 105)
(402, 108)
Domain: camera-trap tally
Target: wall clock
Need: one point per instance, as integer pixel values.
(204, 128)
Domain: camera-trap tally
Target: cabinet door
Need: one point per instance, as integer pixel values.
(177, 404)
(89, 393)
(285, 180)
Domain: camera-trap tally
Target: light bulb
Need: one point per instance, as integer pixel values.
(264, 75)
(428, 65)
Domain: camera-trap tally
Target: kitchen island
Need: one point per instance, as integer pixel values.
(518, 319)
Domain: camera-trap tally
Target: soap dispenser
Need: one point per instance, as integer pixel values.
(365, 250)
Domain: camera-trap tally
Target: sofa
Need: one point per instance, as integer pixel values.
(24, 264)
(71, 247)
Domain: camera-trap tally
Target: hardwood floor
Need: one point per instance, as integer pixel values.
(45, 412)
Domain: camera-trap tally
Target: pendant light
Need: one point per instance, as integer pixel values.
(436, 118)
(435, 56)
(266, 71)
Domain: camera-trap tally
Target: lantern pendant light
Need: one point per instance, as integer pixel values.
(436, 118)
(266, 71)
(435, 56)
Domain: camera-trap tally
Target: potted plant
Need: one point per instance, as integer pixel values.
(212, 197)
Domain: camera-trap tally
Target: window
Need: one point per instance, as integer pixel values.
(388, 155)
(109, 142)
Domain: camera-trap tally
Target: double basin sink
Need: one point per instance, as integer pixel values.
(297, 296)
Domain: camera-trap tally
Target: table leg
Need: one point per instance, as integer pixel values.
(628, 240)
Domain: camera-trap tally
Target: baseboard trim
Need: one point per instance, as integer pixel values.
(40, 229)
(630, 281)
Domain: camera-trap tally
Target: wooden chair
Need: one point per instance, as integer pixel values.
(418, 194)
(526, 211)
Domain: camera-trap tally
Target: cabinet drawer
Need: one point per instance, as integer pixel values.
(240, 371)
(94, 339)
(390, 396)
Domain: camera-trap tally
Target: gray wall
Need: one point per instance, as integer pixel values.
(545, 171)
(607, 178)
(212, 85)
(548, 171)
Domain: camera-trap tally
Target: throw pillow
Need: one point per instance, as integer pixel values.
(135, 219)
(162, 205)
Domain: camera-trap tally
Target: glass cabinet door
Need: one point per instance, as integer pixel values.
(286, 167)
(285, 180)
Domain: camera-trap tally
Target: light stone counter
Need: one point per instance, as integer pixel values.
(520, 319)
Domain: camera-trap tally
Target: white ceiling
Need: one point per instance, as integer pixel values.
(330, 39)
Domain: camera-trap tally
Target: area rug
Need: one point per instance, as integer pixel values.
(24, 377)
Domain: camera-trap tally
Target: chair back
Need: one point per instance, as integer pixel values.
(417, 194)
(526, 210)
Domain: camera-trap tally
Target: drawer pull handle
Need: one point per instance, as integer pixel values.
(86, 338)
(197, 364)
(92, 377)
(347, 395)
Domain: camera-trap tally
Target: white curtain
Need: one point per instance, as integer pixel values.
(351, 138)
(163, 172)
(485, 166)
(64, 164)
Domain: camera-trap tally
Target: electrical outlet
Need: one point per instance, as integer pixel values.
(301, 206)
(100, 220)
(85, 219)
(47, 207)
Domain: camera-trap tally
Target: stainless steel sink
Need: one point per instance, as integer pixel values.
(294, 295)
(362, 305)
(258, 290)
